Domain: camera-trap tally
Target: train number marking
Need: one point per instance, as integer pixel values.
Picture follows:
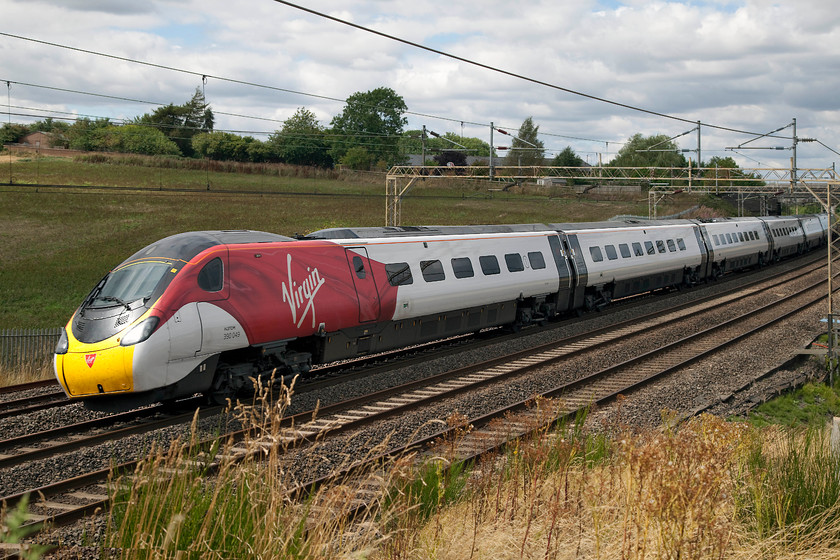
(231, 333)
(302, 295)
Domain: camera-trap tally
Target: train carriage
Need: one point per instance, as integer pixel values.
(627, 258)
(786, 235)
(735, 243)
(815, 227)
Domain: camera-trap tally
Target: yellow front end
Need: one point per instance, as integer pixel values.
(95, 369)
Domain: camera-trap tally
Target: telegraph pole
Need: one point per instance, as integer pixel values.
(491, 151)
(699, 156)
(793, 178)
(423, 143)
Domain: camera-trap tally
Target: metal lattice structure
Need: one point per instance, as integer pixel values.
(660, 181)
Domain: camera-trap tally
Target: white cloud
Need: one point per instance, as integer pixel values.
(748, 64)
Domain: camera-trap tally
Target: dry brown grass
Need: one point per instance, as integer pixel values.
(24, 374)
(656, 495)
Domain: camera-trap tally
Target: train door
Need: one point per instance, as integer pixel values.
(185, 333)
(364, 283)
(707, 250)
(566, 286)
(580, 276)
(188, 333)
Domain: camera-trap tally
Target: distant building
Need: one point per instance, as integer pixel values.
(37, 139)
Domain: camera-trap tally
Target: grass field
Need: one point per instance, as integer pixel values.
(57, 242)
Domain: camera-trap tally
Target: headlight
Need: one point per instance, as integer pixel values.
(140, 332)
(63, 343)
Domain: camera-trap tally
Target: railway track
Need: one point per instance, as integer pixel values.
(29, 404)
(28, 386)
(577, 393)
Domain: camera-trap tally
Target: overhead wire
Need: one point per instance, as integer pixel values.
(502, 71)
(204, 76)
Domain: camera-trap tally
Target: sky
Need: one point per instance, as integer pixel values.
(742, 68)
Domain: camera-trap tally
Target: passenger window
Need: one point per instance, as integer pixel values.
(624, 250)
(729, 238)
(649, 248)
(671, 246)
(681, 244)
(715, 238)
(462, 267)
(660, 246)
(637, 249)
(757, 235)
(212, 277)
(399, 274)
(611, 254)
(596, 254)
(514, 262)
(741, 236)
(537, 260)
(489, 265)
(432, 271)
(359, 267)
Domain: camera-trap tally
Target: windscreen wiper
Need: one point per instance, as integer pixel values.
(114, 299)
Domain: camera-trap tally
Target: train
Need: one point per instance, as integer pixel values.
(207, 312)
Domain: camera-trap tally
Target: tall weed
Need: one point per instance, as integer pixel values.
(790, 484)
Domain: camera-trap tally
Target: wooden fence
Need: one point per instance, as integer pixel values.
(27, 347)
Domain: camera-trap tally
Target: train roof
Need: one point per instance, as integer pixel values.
(419, 231)
(415, 231)
(185, 246)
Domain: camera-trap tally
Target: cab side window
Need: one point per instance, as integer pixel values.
(212, 277)
(359, 267)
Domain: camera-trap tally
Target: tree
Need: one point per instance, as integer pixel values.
(654, 151)
(357, 158)
(725, 168)
(86, 134)
(302, 141)
(221, 146)
(181, 122)
(451, 156)
(372, 120)
(12, 133)
(526, 149)
(567, 158)
(136, 139)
